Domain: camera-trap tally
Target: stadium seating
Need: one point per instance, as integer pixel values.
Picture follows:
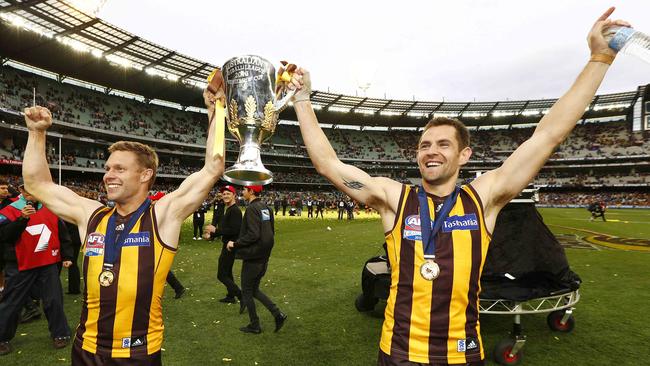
(387, 153)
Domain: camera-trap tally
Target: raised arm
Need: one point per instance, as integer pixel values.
(379, 193)
(175, 207)
(499, 186)
(38, 180)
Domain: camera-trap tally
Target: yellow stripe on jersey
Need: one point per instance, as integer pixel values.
(422, 294)
(393, 258)
(126, 292)
(486, 237)
(163, 258)
(95, 264)
(462, 242)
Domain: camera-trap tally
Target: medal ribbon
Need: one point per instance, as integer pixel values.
(114, 242)
(429, 233)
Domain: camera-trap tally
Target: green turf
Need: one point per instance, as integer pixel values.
(314, 276)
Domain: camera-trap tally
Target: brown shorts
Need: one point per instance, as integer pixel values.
(81, 357)
(386, 360)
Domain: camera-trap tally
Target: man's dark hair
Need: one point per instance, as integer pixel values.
(462, 133)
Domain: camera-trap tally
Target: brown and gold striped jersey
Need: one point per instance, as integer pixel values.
(436, 321)
(124, 319)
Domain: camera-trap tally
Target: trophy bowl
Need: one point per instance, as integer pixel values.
(252, 110)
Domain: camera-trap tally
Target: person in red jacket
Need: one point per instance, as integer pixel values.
(35, 241)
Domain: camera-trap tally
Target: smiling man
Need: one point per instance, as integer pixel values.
(227, 227)
(438, 233)
(128, 249)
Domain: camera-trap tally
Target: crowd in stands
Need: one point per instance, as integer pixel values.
(78, 105)
(611, 199)
(87, 156)
(572, 178)
(379, 152)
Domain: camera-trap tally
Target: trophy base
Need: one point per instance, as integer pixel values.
(247, 177)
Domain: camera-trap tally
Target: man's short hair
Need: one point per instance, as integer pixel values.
(4, 181)
(462, 133)
(146, 156)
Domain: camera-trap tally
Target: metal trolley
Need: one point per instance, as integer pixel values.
(559, 307)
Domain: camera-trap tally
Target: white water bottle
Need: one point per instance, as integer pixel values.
(629, 41)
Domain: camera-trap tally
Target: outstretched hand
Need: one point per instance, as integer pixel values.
(596, 39)
(38, 118)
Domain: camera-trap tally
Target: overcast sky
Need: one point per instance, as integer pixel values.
(457, 50)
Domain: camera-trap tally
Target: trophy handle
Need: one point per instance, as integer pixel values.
(281, 104)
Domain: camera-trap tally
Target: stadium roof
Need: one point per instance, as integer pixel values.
(43, 33)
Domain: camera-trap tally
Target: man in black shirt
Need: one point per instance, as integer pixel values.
(198, 219)
(320, 207)
(74, 274)
(276, 204)
(341, 205)
(310, 208)
(254, 246)
(597, 209)
(228, 228)
(219, 208)
(350, 209)
(285, 203)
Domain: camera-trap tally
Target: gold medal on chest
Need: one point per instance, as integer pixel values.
(429, 270)
(106, 278)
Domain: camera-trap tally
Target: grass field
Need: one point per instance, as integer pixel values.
(314, 276)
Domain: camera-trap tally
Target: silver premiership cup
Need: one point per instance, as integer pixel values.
(252, 115)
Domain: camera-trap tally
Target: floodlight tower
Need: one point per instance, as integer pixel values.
(364, 86)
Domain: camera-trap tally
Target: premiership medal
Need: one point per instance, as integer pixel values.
(115, 240)
(430, 270)
(106, 278)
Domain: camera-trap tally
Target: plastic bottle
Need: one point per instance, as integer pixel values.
(629, 41)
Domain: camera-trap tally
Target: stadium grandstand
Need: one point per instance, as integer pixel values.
(104, 84)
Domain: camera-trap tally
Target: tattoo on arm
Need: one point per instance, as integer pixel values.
(353, 185)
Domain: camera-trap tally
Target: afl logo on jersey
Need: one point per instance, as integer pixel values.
(95, 244)
(412, 230)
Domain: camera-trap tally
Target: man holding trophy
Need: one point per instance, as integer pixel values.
(438, 233)
(128, 249)
(253, 103)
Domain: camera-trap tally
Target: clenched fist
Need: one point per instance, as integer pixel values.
(38, 118)
(301, 83)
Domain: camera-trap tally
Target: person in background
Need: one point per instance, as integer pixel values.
(198, 219)
(35, 242)
(254, 245)
(5, 200)
(228, 228)
(219, 209)
(74, 275)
